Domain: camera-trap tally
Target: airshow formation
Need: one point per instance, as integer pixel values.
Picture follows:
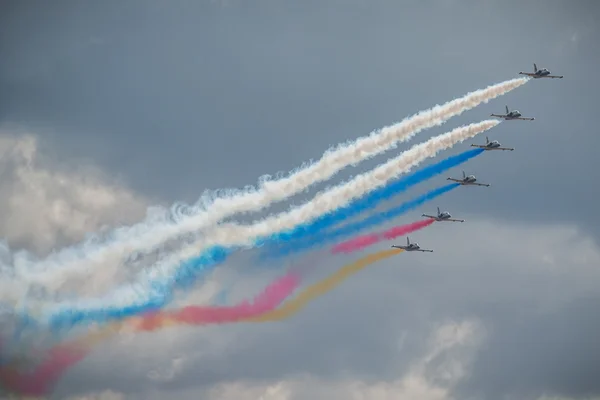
(168, 253)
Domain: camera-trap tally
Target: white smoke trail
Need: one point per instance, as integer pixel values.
(146, 236)
(246, 235)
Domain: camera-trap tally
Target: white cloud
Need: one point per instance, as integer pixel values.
(421, 381)
(430, 377)
(45, 204)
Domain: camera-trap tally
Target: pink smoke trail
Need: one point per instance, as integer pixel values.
(360, 242)
(41, 380)
(270, 298)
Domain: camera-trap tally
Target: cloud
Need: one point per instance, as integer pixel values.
(45, 204)
(567, 398)
(261, 80)
(430, 377)
(106, 395)
(516, 280)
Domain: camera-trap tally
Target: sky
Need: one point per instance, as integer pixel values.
(107, 108)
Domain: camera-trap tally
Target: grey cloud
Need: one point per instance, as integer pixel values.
(449, 347)
(183, 86)
(210, 95)
(44, 205)
(374, 325)
(531, 354)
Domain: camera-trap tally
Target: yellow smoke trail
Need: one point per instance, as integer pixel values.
(320, 288)
(79, 348)
(133, 324)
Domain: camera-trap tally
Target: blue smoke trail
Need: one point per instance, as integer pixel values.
(161, 291)
(320, 240)
(372, 199)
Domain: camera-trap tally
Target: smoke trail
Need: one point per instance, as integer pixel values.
(40, 381)
(344, 194)
(374, 198)
(199, 315)
(320, 288)
(322, 239)
(213, 208)
(61, 357)
(174, 270)
(359, 243)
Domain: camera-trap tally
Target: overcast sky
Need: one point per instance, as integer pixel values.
(125, 104)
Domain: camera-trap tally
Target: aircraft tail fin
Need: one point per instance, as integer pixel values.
(535, 68)
(438, 211)
(407, 241)
(487, 140)
(464, 175)
(507, 109)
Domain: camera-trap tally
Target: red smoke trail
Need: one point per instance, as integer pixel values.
(58, 359)
(360, 242)
(270, 298)
(39, 381)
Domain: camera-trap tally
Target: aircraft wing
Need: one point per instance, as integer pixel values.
(399, 247)
(525, 119)
(428, 216)
(455, 180)
(498, 115)
(425, 251)
(553, 76)
(492, 148)
(479, 184)
(454, 220)
(527, 73)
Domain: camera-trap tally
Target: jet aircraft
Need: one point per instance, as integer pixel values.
(493, 145)
(443, 216)
(514, 114)
(468, 180)
(412, 247)
(540, 73)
